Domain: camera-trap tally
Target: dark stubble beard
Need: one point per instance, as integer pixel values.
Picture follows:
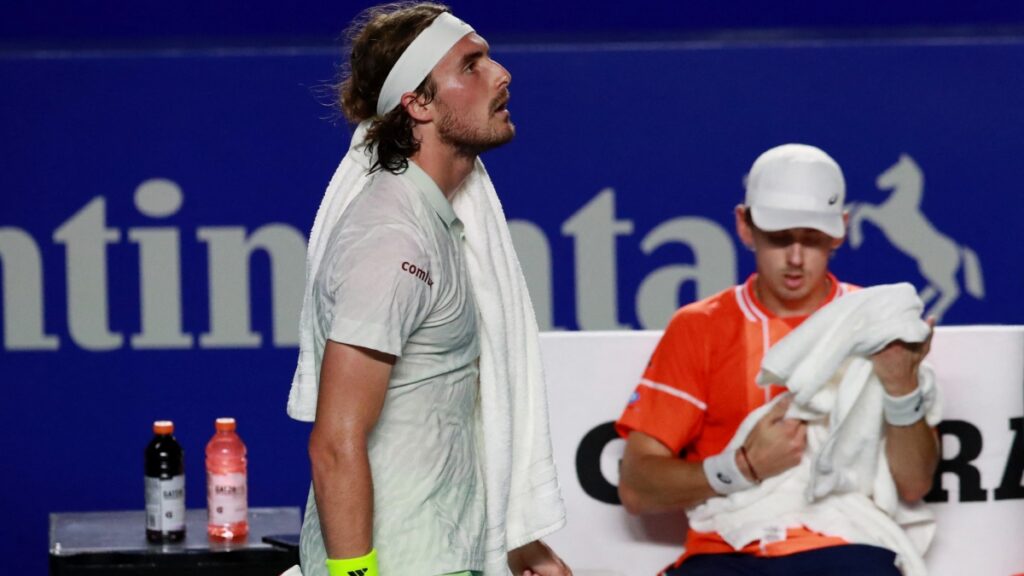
(470, 141)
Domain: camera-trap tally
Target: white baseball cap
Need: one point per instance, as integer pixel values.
(796, 186)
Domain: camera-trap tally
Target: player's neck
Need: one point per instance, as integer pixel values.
(444, 166)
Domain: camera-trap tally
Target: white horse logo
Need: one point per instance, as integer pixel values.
(906, 227)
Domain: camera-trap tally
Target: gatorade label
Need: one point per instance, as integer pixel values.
(226, 497)
(165, 504)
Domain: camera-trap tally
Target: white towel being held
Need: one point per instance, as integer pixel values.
(523, 498)
(847, 331)
(843, 485)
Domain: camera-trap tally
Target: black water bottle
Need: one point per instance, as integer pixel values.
(165, 486)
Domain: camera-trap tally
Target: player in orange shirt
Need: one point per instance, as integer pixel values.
(699, 384)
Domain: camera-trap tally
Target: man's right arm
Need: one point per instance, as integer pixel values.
(653, 479)
(353, 383)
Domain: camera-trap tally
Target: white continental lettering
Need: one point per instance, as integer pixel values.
(85, 237)
(230, 249)
(160, 266)
(534, 252)
(23, 293)
(594, 230)
(713, 268)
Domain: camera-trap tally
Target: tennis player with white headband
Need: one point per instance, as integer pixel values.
(419, 364)
(419, 59)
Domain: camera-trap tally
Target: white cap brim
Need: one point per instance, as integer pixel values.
(774, 219)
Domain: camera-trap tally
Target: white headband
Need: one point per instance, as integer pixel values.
(420, 58)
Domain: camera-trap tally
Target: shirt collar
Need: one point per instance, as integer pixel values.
(432, 193)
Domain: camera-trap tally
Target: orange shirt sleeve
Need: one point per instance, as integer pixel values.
(670, 401)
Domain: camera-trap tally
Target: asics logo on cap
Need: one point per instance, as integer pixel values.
(832, 199)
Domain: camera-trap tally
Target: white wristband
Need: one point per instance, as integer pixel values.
(903, 410)
(724, 474)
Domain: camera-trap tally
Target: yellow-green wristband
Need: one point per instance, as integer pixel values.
(362, 566)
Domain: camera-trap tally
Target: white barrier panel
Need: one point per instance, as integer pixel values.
(980, 520)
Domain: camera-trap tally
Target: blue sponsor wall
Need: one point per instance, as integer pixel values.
(48, 23)
(153, 207)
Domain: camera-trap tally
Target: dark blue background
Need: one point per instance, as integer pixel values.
(263, 22)
(671, 126)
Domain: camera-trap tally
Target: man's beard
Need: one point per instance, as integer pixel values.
(471, 141)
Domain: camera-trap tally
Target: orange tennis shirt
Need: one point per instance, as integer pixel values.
(699, 386)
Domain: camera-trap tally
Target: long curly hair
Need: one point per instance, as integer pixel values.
(375, 41)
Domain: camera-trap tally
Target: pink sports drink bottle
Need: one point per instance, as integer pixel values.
(226, 487)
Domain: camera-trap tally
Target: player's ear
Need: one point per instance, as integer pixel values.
(418, 107)
(743, 228)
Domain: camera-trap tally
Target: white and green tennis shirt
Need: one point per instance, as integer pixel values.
(394, 279)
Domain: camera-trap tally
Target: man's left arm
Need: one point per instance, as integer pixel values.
(912, 449)
(536, 559)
